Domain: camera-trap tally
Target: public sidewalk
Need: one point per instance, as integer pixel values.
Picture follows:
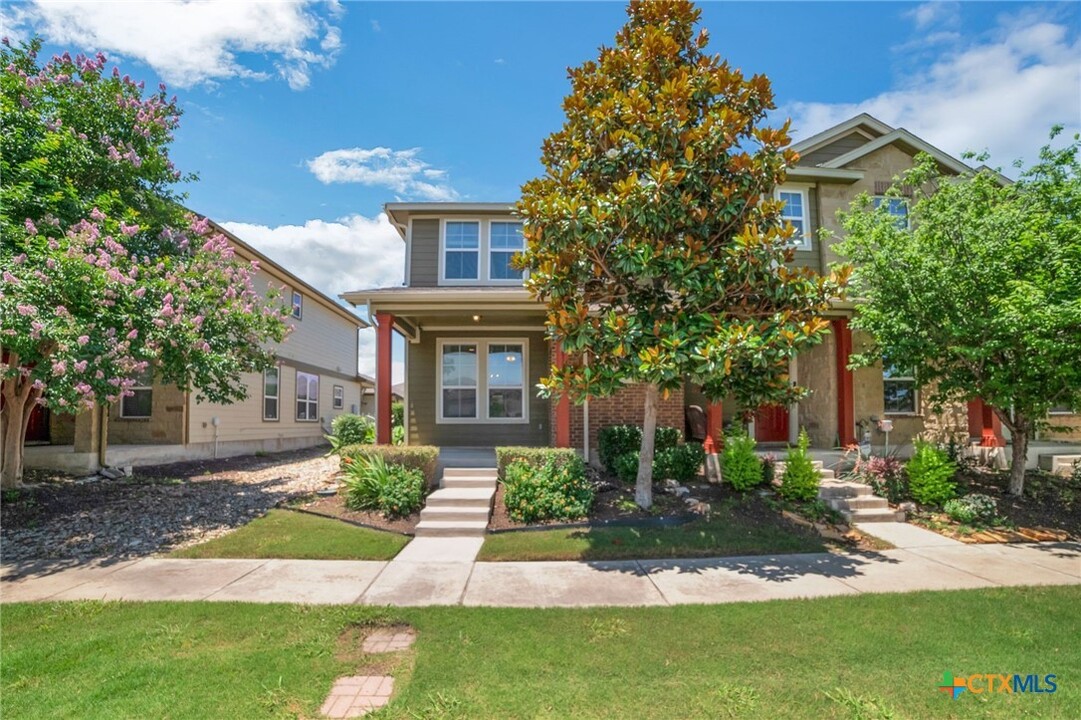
(442, 572)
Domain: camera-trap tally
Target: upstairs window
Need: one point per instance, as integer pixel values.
(898, 391)
(298, 305)
(461, 250)
(505, 241)
(897, 208)
(796, 210)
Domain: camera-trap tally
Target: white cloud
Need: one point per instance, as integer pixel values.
(352, 253)
(400, 170)
(936, 13)
(1001, 93)
(188, 43)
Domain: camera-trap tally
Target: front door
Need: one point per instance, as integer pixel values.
(771, 424)
(37, 431)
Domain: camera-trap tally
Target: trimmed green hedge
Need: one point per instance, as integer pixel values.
(418, 457)
(551, 491)
(537, 457)
(614, 441)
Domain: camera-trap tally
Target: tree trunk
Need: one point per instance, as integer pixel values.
(1019, 457)
(19, 401)
(643, 487)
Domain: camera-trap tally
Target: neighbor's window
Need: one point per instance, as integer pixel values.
(796, 211)
(459, 381)
(461, 248)
(898, 390)
(505, 241)
(339, 397)
(506, 381)
(1062, 410)
(897, 207)
(271, 392)
(298, 305)
(307, 397)
(141, 401)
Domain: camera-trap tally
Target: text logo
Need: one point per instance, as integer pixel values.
(981, 683)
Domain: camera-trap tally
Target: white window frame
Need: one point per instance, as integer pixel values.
(297, 305)
(915, 394)
(307, 399)
(148, 386)
(484, 251)
(1056, 410)
(338, 397)
(878, 200)
(482, 380)
(489, 250)
(481, 269)
(276, 398)
(804, 241)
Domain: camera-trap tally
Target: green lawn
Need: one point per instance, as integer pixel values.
(297, 535)
(871, 656)
(723, 534)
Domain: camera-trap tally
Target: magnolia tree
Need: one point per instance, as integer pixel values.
(653, 237)
(980, 294)
(105, 276)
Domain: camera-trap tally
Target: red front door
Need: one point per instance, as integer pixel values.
(771, 424)
(37, 430)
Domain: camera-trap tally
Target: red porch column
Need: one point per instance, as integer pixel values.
(714, 426)
(846, 412)
(563, 406)
(983, 423)
(384, 328)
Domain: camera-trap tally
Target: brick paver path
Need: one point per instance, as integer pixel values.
(356, 695)
(386, 640)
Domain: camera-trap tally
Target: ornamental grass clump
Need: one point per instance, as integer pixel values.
(800, 479)
(740, 466)
(972, 509)
(371, 483)
(551, 491)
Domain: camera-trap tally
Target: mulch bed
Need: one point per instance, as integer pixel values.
(1049, 509)
(333, 506)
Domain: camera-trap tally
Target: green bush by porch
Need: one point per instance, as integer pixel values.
(419, 457)
(538, 456)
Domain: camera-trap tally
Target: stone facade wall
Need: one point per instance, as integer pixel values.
(165, 426)
(1071, 425)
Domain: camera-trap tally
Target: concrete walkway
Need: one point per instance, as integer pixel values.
(427, 574)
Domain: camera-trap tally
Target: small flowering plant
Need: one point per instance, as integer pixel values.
(104, 276)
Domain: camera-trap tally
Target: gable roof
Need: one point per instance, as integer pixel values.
(902, 137)
(863, 123)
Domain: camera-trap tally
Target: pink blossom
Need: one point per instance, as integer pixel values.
(80, 366)
(31, 227)
(139, 292)
(133, 334)
(60, 367)
(97, 215)
(83, 339)
(129, 230)
(26, 309)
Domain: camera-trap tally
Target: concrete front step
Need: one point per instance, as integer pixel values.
(842, 489)
(862, 502)
(461, 497)
(470, 472)
(468, 482)
(870, 516)
(1058, 464)
(451, 528)
(454, 512)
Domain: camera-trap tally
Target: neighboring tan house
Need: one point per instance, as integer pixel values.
(288, 407)
(476, 346)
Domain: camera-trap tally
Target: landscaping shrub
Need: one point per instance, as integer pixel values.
(800, 479)
(397, 414)
(537, 456)
(971, 509)
(885, 475)
(930, 475)
(349, 429)
(552, 491)
(418, 457)
(397, 435)
(614, 441)
(371, 483)
(740, 467)
(680, 463)
(626, 467)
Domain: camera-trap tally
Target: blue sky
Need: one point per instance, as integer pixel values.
(302, 119)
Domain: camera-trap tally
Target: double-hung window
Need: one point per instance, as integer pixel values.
(461, 250)
(140, 403)
(297, 306)
(271, 393)
(505, 240)
(307, 397)
(482, 381)
(339, 397)
(899, 391)
(797, 212)
(459, 381)
(896, 207)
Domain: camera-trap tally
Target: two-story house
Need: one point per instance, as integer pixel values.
(288, 407)
(476, 347)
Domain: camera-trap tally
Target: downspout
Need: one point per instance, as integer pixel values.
(585, 420)
(103, 433)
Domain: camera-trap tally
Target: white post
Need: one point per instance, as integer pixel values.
(793, 409)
